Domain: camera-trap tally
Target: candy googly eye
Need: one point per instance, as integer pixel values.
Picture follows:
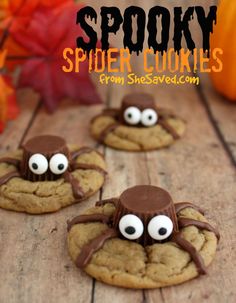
(132, 115)
(131, 227)
(149, 117)
(58, 164)
(160, 227)
(38, 164)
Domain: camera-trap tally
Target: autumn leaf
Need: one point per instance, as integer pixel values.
(15, 13)
(8, 106)
(20, 11)
(3, 55)
(46, 35)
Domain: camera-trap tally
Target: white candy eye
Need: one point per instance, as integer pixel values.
(38, 164)
(160, 227)
(132, 115)
(149, 117)
(131, 227)
(58, 164)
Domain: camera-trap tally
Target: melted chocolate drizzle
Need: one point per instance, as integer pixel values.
(4, 179)
(110, 128)
(89, 249)
(76, 188)
(12, 161)
(113, 201)
(84, 150)
(182, 205)
(184, 222)
(85, 166)
(168, 128)
(88, 219)
(187, 246)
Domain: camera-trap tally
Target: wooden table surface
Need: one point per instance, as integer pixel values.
(34, 262)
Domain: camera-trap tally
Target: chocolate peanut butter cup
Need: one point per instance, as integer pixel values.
(38, 154)
(146, 202)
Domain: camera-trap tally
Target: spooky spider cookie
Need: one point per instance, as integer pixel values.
(138, 125)
(47, 175)
(142, 240)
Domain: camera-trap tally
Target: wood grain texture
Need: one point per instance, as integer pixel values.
(35, 266)
(219, 110)
(198, 170)
(39, 268)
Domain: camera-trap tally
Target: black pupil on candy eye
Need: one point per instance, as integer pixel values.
(60, 166)
(129, 115)
(35, 166)
(130, 230)
(162, 231)
(149, 117)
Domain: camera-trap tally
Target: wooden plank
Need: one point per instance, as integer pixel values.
(125, 170)
(37, 244)
(124, 173)
(197, 169)
(223, 115)
(10, 139)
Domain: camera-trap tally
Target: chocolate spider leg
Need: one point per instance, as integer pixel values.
(85, 166)
(182, 205)
(111, 112)
(12, 161)
(184, 222)
(187, 246)
(169, 128)
(83, 150)
(89, 219)
(107, 130)
(76, 188)
(113, 201)
(5, 178)
(89, 249)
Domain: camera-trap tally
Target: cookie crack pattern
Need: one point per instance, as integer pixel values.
(182, 255)
(85, 178)
(181, 270)
(85, 166)
(96, 217)
(167, 127)
(108, 130)
(113, 129)
(140, 145)
(148, 262)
